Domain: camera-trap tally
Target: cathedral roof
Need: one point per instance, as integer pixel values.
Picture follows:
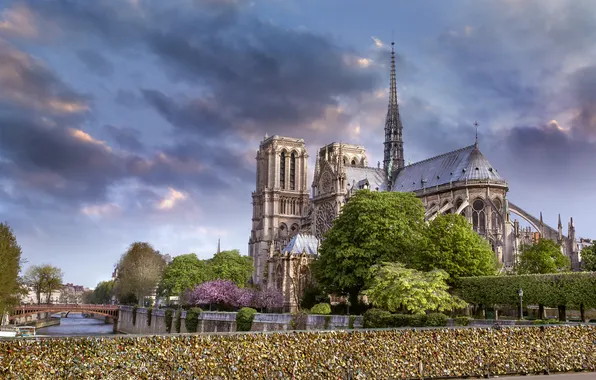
(465, 164)
(302, 243)
(355, 175)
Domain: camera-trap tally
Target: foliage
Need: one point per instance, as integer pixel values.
(327, 321)
(103, 292)
(192, 319)
(553, 290)
(184, 272)
(462, 321)
(139, 271)
(44, 279)
(436, 319)
(268, 299)
(222, 292)
(373, 227)
(395, 287)
(454, 247)
(168, 316)
(244, 319)
(376, 318)
(321, 308)
(149, 314)
(245, 297)
(351, 321)
(541, 258)
(313, 295)
(230, 265)
(178, 320)
(134, 315)
(10, 257)
(588, 255)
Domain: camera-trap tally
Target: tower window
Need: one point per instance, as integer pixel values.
(293, 171)
(282, 171)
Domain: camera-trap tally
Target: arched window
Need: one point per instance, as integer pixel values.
(495, 219)
(479, 216)
(293, 171)
(353, 162)
(282, 170)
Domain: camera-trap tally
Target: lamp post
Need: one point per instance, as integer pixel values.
(520, 293)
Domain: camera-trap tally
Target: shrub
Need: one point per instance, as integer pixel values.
(178, 321)
(538, 322)
(399, 320)
(436, 319)
(134, 315)
(192, 319)
(351, 321)
(417, 320)
(376, 318)
(298, 321)
(462, 321)
(168, 318)
(149, 313)
(552, 322)
(244, 318)
(321, 309)
(327, 321)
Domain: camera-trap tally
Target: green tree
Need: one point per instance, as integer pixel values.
(373, 227)
(10, 267)
(44, 279)
(230, 265)
(454, 247)
(103, 292)
(139, 272)
(588, 255)
(184, 272)
(541, 258)
(397, 289)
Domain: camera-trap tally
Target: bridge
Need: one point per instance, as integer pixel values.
(27, 310)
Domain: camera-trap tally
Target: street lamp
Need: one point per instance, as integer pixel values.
(520, 293)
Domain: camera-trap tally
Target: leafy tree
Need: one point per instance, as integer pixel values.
(139, 271)
(396, 288)
(184, 272)
(103, 292)
(454, 247)
(541, 258)
(589, 258)
(10, 259)
(44, 279)
(230, 265)
(373, 227)
(88, 297)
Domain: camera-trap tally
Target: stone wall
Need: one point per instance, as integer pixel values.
(225, 322)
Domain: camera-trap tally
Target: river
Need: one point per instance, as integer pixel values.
(76, 324)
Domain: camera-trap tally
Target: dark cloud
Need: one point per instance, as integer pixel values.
(126, 137)
(583, 89)
(95, 62)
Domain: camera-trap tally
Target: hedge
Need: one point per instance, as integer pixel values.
(411, 354)
(178, 320)
(192, 319)
(377, 318)
(553, 290)
(168, 317)
(321, 308)
(244, 318)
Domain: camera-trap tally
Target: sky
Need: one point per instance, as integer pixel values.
(139, 120)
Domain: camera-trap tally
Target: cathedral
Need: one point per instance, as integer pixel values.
(289, 219)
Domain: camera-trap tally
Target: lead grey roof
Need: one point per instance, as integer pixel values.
(302, 243)
(356, 175)
(459, 165)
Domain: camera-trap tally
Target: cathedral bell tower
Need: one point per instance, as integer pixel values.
(280, 198)
(393, 157)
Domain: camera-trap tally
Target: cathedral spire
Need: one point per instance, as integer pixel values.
(218, 245)
(476, 143)
(393, 146)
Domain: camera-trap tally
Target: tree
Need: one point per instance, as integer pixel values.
(588, 255)
(219, 292)
(184, 272)
(103, 292)
(454, 247)
(10, 267)
(139, 272)
(268, 299)
(396, 288)
(230, 265)
(44, 279)
(373, 227)
(541, 258)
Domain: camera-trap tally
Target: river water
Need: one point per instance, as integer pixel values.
(76, 324)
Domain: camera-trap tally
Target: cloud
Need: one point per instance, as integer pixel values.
(128, 138)
(18, 21)
(173, 198)
(95, 62)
